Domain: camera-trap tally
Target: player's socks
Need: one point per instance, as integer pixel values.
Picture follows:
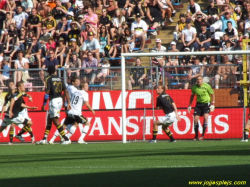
(62, 133)
(246, 133)
(23, 130)
(154, 134)
(204, 128)
(47, 130)
(170, 135)
(29, 130)
(196, 128)
(84, 132)
(71, 131)
(11, 134)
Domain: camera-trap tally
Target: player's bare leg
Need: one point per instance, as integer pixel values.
(60, 128)
(84, 133)
(58, 134)
(47, 130)
(26, 128)
(168, 133)
(11, 133)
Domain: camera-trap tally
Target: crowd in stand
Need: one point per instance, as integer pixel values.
(86, 34)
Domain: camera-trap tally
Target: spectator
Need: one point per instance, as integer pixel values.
(73, 62)
(49, 26)
(21, 63)
(70, 17)
(229, 46)
(159, 49)
(59, 11)
(34, 22)
(137, 74)
(43, 10)
(212, 12)
(104, 19)
(166, 9)
(51, 61)
(231, 32)
(6, 24)
(189, 35)
(74, 47)
(20, 18)
(112, 7)
(247, 28)
(116, 22)
(63, 28)
(60, 51)
(139, 8)
(27, 4)
(210, 71)
(104, 40)
(173, 60)
(194, 72)
(193, 8)
(203, 39)
(225, 74)
(154, 15)
(74, 33)
(139, 29)
(51, 44)
(11, 37)
(91, 18)
(104, 71)
(89, 62)
(5, 74)
(246, 12)
(34, 51)
(91, 44)
(129, 44)
(181, 24)
(199, 19)
(3, 6)
(98, 8)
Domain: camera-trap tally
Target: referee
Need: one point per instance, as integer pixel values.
(205, 96)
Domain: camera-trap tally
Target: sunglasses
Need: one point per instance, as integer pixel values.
(90, 55)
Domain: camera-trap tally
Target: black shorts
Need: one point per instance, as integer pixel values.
(71, 119)
(201, 109)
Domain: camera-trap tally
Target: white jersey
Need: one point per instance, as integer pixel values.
(77, 101)
(71, 90)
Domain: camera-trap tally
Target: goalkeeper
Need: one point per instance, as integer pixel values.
(205, 104)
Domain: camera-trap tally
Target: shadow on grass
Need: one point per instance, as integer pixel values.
(117, 154)
(155, 177)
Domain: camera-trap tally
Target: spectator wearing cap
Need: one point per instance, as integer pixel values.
(61, 50)
(21, 63)
(73, 62)
(49, 25)
(203, 39)
(5, 73)
(193, 7)
(139, 29)
(34, 22)
(73, 47)
(154, 15)
(159, 49)
(79, 4)
(90, 62)
(221, 24)
(231, 32)
(104, 71)
(59, 11)
(105, 19)
(35, 50)
(181, 24)
(212, 12)
(51, 61)
(74, 32)
(20, 18)
(91, 44)
(43, 9)
(70, 17)
(137, 74)
(188, 35)
(173, 60)
(90, 17)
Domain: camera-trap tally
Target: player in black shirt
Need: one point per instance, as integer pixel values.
(165, 102)
(54, 88)
(16, 105)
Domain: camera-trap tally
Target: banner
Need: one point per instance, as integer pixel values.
(106, 125)
(101, 100)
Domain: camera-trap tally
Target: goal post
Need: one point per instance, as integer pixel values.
(200, 53)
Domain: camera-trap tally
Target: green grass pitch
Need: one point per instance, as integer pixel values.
(124, 165)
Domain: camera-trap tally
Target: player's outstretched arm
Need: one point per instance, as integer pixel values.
(29, 107)
(12, 101)
(89, 107)
(68, 99)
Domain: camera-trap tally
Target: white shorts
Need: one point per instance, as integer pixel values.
(24, 114)
(168, 119)
(55, 106)
(17, 120)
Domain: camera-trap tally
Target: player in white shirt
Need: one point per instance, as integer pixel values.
(75, 82)
(79, 98)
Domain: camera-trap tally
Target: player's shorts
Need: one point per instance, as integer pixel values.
(17, 120)
(201, 109)
(71, 119)
(55, 106)
(168, 119)
(24, 114)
